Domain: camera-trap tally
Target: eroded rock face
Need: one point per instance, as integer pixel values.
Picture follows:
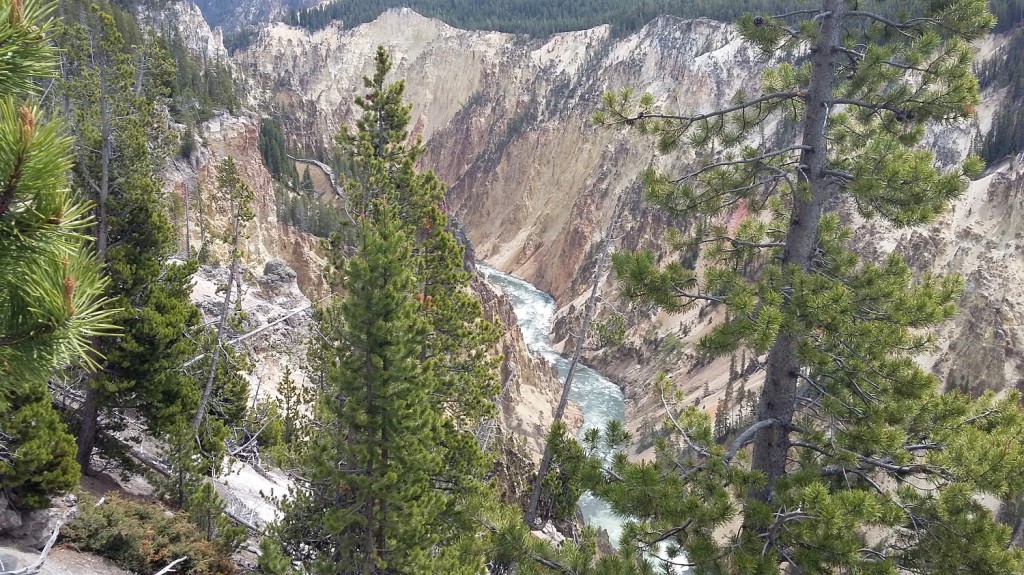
(530, 386)
(187, 20)
(506, 119)
(276, 309)
(206, 220)
(506, 123)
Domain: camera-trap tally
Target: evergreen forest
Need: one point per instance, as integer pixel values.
(539, 19)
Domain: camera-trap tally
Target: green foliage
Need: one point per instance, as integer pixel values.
(235, 194)
(1004, 71)
(274, 150)
(51, 290)
(49, 286)
(143, 537)
(609, 332)
(307, 211)
(193, 89)
(194, 461)
(187, 467)
(394, 472)
(294, 422)
(381, 431)
(113, 81)
(1009, 14)
(532, 16)
(38, 456)
(198, 88)
(544, 18)
(562, 488)
(857, 465)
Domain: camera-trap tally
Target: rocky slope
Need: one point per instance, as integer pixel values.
(505, 118)
(506, 121)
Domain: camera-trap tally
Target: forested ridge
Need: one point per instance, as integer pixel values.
(850, 459)
(540, 18)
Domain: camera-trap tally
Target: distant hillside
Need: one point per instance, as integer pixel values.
(545, 17)
(534, 17)
(231, 14)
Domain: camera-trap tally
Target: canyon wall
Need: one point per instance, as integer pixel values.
(506, 119)
(506, 122)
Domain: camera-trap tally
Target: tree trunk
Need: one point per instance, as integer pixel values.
(204, 400)
(778, 396)
(87, 431)
(90, 406)
(588, 314)
(188, 235)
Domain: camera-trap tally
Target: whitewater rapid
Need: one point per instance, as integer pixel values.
(599, 399)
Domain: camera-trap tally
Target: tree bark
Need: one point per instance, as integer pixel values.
(188, 235)
(90, 406)
(588, 314)
(778, 396)
(87, 431)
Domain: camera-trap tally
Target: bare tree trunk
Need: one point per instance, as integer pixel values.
(90, 405)
(588, 314)
(778, 396)
(188, 235)
(204, 400)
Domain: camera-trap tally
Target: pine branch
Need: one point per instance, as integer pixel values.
(901, 26)
(690, 120)
(679, 292)
(746, 437)
(742, 243)
(795, 13)
(761, 158)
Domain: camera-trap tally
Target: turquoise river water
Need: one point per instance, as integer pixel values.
(600, 400)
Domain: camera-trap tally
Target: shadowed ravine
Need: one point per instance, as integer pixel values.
(599, 399)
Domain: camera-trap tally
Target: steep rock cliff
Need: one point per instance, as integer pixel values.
(264, 238)
(505, 119)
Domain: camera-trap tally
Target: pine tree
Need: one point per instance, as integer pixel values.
(857, 464)
(371, 499)
(407, 382)
(292, 400)
(112, 88)
(237, 196)
(455, 351)
(50, 286)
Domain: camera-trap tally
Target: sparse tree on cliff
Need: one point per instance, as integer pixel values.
(858, 465)
(50, 285)
(236, 195)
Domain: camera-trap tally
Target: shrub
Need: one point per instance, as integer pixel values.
(143, 537)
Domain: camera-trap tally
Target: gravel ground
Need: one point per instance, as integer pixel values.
(60, 561)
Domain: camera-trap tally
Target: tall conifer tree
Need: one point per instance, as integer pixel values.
(455, 351)
(50, 285)
(396, 465)
(113, 88)
(857, 464)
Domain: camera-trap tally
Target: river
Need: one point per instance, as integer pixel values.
(599, 399)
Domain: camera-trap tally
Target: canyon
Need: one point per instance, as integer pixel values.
(506, 121)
